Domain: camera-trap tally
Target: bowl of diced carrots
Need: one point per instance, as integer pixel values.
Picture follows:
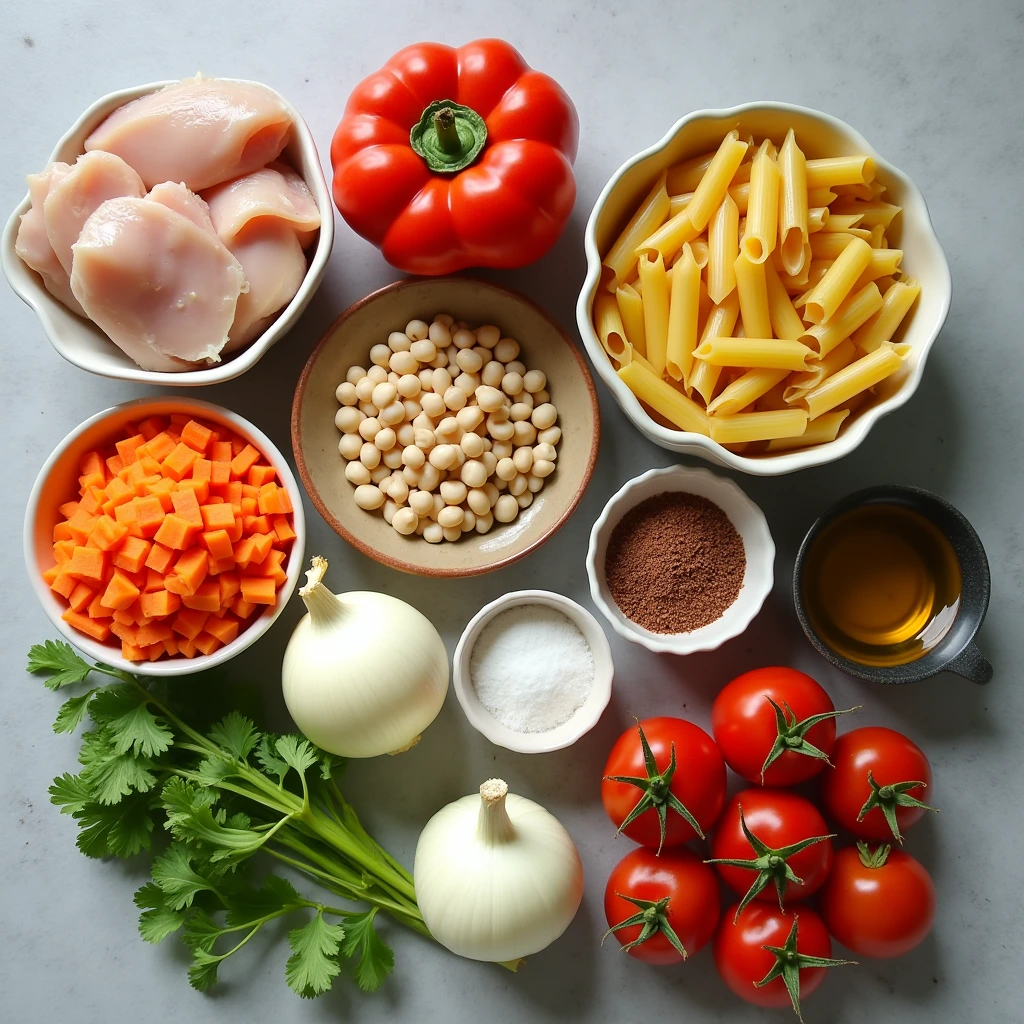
(164, 536)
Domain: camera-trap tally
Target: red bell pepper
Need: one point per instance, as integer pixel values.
(449, 158)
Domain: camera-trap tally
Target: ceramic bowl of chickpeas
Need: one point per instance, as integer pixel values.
(445, 426)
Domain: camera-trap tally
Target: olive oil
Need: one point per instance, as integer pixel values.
(881, 585)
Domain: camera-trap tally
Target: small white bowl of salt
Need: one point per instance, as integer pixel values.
(533, 671)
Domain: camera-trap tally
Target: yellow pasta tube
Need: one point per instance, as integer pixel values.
(793, 209)
(676, 204)
(608, 324)
(723, 245)
(769, 353)
(840, 170)
(855, 310)
(884, 263)
(757, 426)
(721, 322)
(621, 258)
(631, 312)
(827, 245)
(655, 306)
(784, 319)
(683, 312)
(860, 375)
(799, 384)
(820, 431)
(842, 222)
(745, 390)
(701, 251)
(762, 207)
(817, 218)
(664, 399)
(753, 296)
(772, 399)
(685, 176)
(865, 192)
(670, 236)
(820, 197)
(882, 326)
(873, 212)
(838, 281)
(708, 194)
(741, 195)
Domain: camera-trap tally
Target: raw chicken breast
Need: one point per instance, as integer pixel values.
(181, 200)
(200, 132)
(32, 245)
(161, 287)
(94, 178)
(274, 266)
(276, 191)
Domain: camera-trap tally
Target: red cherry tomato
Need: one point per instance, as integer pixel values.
(697, 782)
(803, 946)
(778, 745)
(892, 762)
(779, 821)
(671, 896)
(878, 903)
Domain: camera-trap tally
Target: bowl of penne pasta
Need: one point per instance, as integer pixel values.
(761, 288)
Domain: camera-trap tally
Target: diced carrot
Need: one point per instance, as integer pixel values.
(93, 499)
(63, 550)
(127, 448)
(114, 465)
(132, 554)
(159, 558)
(283, 529)
(150, 514)
(118, 492)
(97, 630)
(222, 565)
(237, 445)
(259, 590)
(175, 532)
(91, 462)
(220, 451)
(138, 616)
(154, 652)
(160, 446)
(237, 531)
(233, 494)
(250, 491)
(201, 488)
(179, 462)
(131, 653)
(242, 608)
(50, 575)
(270, 565)
(274, 500)
(161, 490)
(218, 517)
(171, 645)
(151, 427)
(230, 585)
(64, 583)
(225, 629)
(191, 567)
(80, 525)
(179, 419)
(196, 436)
(154, 581)
(81, 597)
(121, 593)
(186, 506)
(189, 622)
(256, 524)
(205, 599)
(124, 617)
(107, 534)
(243, 461)
(250, 508)
(62, 531)
(186, 648)
(88, 564)
(69, 508)
(159, 604)
(262, 546)
(260, 475)
(220, 474)
(244, 551)
(176, 585)
(98, 610)
(174, 433)
(207, 643)
(218, 543)
(88, 480)
(201, 469)
(153, 633)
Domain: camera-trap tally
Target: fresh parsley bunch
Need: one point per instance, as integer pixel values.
(223, 796)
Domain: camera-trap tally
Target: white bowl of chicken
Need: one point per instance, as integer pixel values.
(177, 232)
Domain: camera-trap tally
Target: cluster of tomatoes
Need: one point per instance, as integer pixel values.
(665, 784)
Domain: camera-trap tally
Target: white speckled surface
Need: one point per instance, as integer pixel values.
(937, 87)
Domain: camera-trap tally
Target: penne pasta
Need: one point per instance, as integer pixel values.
(708, 195)
(676, 204)
(664, 399)
(723, 246)
(608, 324)
(671, 236)
(817, 218)
(861, 374)
(685, 176)
(820, 196)
(853, 312)
(884, 263)
(769, 353)
(683, 315)
(654, 302)
(793, 208)
(784, 319)
(838, 281)
(762, 207)
(621, 258)
(753, 295)
(800, 384)
(701, 251)
(745, 390)
(721, 322)
(827, 245)
(772, 399)
(741, 196)
(882, 326)
(866, 192)
(631, 313)
(757, 426)
(842, 222)
(840, 170)
(820, 431)
(873, 212)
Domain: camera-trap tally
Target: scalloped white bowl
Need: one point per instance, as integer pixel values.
(81, 342)
(750, 524)
(819, 135)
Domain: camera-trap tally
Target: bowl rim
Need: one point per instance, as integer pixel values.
(174, 666)
(490, 727)
(249, 356)
(698, 444)
(403, 565)
(682, 643)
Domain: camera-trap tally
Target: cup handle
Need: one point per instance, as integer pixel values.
(971, 664)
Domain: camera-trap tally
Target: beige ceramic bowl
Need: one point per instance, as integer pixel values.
(819, 135)
(544, 345)
(81, 342)
(59, 478)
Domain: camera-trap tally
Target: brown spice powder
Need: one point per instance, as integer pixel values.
(675, 563)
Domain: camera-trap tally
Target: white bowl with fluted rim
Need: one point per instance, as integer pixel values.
(57, 482)
(583, 719)
(751, 525)
(82, 343)
(819, 135)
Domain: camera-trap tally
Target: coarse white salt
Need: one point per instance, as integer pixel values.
(532, 668)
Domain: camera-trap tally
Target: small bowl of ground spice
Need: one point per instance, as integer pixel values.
(680, 560)
(533, 671)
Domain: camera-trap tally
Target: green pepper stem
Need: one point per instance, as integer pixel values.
(447, 133)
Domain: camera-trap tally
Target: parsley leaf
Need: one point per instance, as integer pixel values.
(201, 932)
(72, 711)
(59, 659)
(313, 964)
(236, 734)
(376, 958)
(121, 830)
(298, 753)
(111, 775)
(213, 770)
(69, 793)
(124, 711)
(276, 893)
(272, 765)
(157, 920)
(178, 881)
(190, 818)
(202, 975)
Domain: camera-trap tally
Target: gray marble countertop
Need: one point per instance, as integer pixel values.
(937, 87)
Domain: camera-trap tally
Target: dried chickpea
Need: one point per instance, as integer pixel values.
(385, 439)
(379, 474)
(406, 434)
(525, 500)
(500, 429)
(468, 522)
(470, 417)
(416, 330)
(534, 381)
(367, 408)
(426, 377)
(398, 341)
(468, 382)
(364, 388)
(523, 459)
(546, 452)
(368, 428)
(433, 404)
(550, 436)
(436, 504)
(452, 533)
(448, 430)
(380, 355)
(534, 483)
(423, 351)
(392, 458)
(489, 399)
(430, 477)
(349, 446)
(355, 375)
(405, 521)
(478, 501)
(541, 397)
(356, 473)
(455, 398)
(506, 350)
(484, 523)
(505, 470)
(453, 491)
(511, 383)
(473, 446)
(488, 335)
(347, 419)
(463, 338)
(369, 455)
(524, 433)
(542, 468)
(520, 411)
(433, 534)
(451, 516)
(409, 385)
(369, 497)
(421, 502)
(384, 394)
(506, 508)
(473, 473)
(517, 485)
(444, 318)
(441, 381)
(346, 393)
(442, 456)
(412, 476)
(544, 416)
(492, 492)
(388, 510)
(468, 361)
(423, 422)
(413, 456)
(393, 414)
(439, 334)
(404, 362)
(399, 489)
(492, 373)
(490, 460)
